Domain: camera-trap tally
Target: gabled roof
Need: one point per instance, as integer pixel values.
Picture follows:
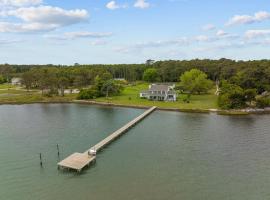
(159, 87)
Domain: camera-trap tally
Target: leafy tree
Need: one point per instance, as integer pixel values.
(5, 71)
(263, 102)
(88, 94)
(2, 79)
(231, 96)
(195, 81)
(250, 95)
(28, 79)
(110, 87)
(63, 84)
(150, 75)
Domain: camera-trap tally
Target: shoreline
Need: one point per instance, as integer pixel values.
(195, 110)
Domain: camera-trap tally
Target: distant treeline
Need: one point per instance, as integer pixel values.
(169, 71)
(247, 74)
(241, 83)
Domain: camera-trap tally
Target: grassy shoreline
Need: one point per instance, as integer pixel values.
(185, 110)
(206, 103)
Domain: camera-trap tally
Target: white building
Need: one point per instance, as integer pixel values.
(159, 92)
(16, 81)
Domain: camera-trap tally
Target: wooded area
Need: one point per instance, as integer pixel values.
(239, 81)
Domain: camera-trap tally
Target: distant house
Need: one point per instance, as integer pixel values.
(119, 79)
(16, 81)
(159, 92)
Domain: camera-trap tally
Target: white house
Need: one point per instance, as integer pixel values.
(159, 92)
(16, 81)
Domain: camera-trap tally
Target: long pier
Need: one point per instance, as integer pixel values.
(77, 161)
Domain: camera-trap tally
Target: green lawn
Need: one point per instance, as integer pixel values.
(6, 86)
(12, 95)
(130, 96)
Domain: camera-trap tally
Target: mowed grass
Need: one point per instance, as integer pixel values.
(12, 95)
(130, 96)
(6, 86)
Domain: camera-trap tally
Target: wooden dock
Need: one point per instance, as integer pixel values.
(77, 161)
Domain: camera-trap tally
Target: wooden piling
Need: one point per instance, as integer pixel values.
(40, 160)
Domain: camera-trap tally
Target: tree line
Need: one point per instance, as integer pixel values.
(238, 76)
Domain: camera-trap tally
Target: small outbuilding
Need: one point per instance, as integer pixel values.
(16, 81)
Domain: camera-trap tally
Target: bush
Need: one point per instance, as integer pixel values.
(231, 96)
(88, 94)
(263, 102)
(2, 79)
(186, 99)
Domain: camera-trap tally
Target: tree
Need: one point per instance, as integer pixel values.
(263, 102)
(2, 79)
(150, 75)
(28, 79)
(231, 96)
(88, 94)
(195, 81)
(5, 71)
(63, 83)
(110, 87)
(250, 95)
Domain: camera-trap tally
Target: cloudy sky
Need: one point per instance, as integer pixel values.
(132, 31)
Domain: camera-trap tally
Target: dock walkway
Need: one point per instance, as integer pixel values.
(77, 161)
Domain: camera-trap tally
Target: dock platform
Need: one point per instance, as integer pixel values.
(77, 161)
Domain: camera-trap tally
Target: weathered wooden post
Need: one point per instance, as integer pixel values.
(58, 153)
(40, 160)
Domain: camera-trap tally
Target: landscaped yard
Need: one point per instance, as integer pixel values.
(130, 96)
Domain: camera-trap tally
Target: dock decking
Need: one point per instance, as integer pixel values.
(77, 161)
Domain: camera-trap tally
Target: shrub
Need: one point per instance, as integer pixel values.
(88, 94)
(231, 97)
(2, 79)
(262, 102)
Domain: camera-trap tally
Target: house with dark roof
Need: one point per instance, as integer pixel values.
(160, 92)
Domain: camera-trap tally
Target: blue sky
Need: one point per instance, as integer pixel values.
(132, 31)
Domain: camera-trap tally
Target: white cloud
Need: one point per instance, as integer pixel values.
(221, 33)
(251, 34)
(24, 27)
(42, 18)
(208, 27)
(79, 34)
(98, 43)
(50, 15)
(112, 5)
(18, 3)
(153, 44)
(222, 47)
(249, 19)
(9, 41)
(141, 4)
(202, 38)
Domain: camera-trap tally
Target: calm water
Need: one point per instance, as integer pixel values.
(167, 156)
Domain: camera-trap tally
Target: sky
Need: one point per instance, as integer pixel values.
(132, 31)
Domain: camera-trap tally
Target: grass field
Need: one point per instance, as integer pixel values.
(13, 95)
(6, 86)
(130, 96)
